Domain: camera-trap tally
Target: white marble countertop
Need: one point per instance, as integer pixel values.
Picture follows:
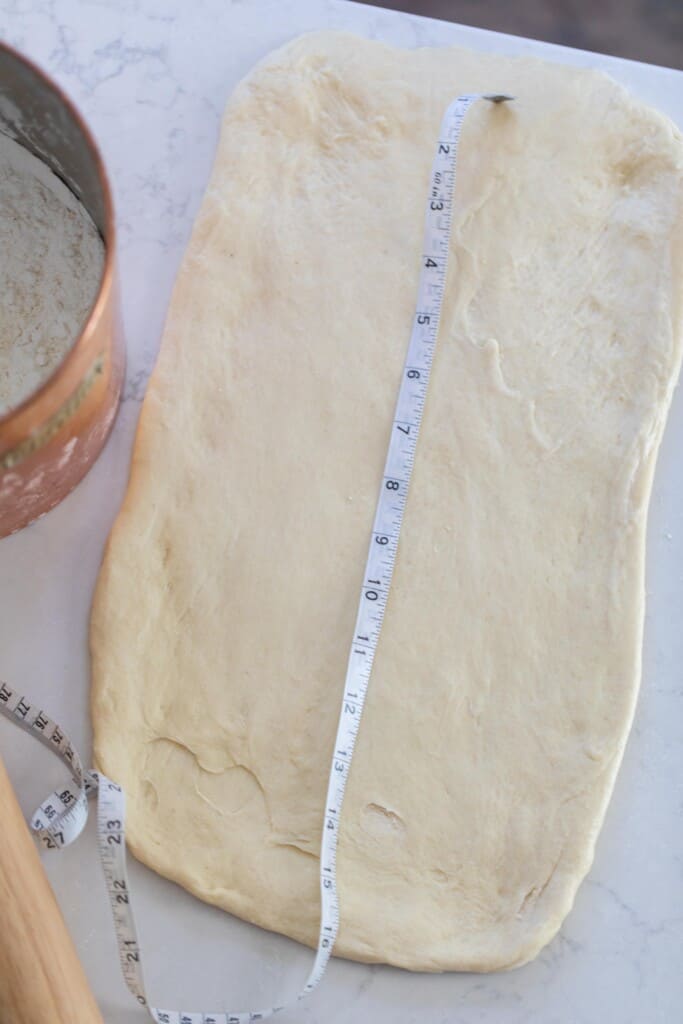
(151, 77)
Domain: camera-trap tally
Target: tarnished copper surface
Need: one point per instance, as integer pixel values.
(48, 443)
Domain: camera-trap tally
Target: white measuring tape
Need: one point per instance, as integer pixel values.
(61, 818)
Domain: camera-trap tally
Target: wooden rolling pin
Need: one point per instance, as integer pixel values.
(41, 978)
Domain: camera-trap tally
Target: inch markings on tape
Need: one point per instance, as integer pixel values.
(61, 817)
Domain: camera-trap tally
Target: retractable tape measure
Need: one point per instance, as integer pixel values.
(60, 819)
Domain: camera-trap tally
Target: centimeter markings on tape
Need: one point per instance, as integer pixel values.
(62, 816)
(391, 505)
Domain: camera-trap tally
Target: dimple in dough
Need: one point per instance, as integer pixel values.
(508, 667)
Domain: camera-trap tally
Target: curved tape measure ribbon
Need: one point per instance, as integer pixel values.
(60, 818)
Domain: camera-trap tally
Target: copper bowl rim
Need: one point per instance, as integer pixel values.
(105, 286)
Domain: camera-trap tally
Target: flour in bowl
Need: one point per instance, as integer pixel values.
(51, 260)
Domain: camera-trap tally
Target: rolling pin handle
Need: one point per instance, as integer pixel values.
(41, 978)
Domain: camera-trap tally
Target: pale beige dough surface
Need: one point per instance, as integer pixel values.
(509, 664)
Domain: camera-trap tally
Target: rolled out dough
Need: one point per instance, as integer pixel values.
(508, 667)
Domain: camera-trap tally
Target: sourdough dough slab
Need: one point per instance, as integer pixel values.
(508, 669)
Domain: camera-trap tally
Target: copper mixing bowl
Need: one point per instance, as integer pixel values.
(49, 441)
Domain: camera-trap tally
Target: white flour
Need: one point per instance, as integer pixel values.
(51, 259)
